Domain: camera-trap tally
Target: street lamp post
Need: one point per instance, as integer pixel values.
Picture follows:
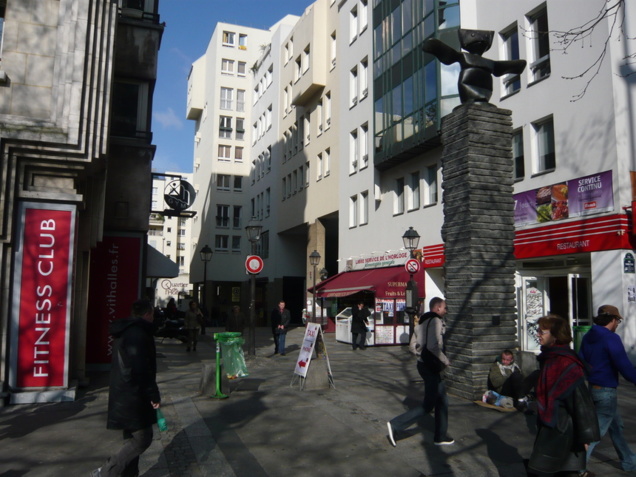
(411, 239)
(253, 230)
(206, 256)
(314, 260)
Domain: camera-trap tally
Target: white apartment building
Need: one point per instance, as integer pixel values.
(172, 237)
(220, 102)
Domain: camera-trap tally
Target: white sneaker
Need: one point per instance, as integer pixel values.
(446, 441)
(388, 425)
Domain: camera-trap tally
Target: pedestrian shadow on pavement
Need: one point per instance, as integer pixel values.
(500, 453)
(34, 417)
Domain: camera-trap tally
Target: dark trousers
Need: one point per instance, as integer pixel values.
(516, 386)
(359, 339)
(435, 398)
(126, 462)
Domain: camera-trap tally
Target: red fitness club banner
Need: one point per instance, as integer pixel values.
(115, 284)
(41, 308)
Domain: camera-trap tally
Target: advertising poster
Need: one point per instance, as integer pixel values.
(115, 284)
(40, 316)
(307, 349)
(574, 198)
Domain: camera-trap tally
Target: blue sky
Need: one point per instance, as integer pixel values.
(189, 26)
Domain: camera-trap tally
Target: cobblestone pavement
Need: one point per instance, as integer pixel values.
(268, 426)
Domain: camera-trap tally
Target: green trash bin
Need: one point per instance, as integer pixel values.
(232, 355)
(229, 351)
(579, 332)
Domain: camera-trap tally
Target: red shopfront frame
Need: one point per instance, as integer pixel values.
(41, 301)
(608, 232)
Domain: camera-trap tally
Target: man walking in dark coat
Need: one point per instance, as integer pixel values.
(359, 322)
(280, 323)
(133, 395)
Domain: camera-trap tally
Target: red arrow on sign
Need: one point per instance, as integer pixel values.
(254, 264)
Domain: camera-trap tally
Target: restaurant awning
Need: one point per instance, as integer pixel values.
(160, 266)
(383, 282)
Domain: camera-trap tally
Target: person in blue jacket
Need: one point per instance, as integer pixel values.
(603, 351)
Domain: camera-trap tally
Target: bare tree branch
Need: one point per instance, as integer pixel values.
(613, 12)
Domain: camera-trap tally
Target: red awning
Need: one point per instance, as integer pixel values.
(383, 282)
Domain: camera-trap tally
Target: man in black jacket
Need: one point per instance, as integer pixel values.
(133, 395)
(280, 319)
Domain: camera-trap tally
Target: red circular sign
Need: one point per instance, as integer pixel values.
(412, 266)
(253, 264)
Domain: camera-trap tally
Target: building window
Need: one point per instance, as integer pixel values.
(353, 151)
(238, 183)
(307, 176)
(223, 182)
(238, 154)
(430, 180)
(353, 87)
(283, 189)
(306, 59)
(227, 67)
(363, 15)
(227, 96)
(242, 41)
(364, 146)
(510, 38)
(540, 45)
(228, 38)
(225, 152)
(223, 216)
(298, 69)
(326, 161)
(319, 167)
(268, 118)
(220, 243)
(517, 155)
(240, 129)
(268, 200)
(398, 206)
(236, 217)
(364, 208)
(414, 191)
(130, 109)
(333, 50)
(364, 68)
(327, 110)
(544, 132)
(242, 68)
(236, 243)
(225, 127)
(264, 245)
(353, 24)
(240, 100)
(353, 211)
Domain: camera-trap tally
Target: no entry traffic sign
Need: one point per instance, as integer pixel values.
(254, 264)
(412, 266)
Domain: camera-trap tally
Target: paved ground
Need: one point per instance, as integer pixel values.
(269, 427)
